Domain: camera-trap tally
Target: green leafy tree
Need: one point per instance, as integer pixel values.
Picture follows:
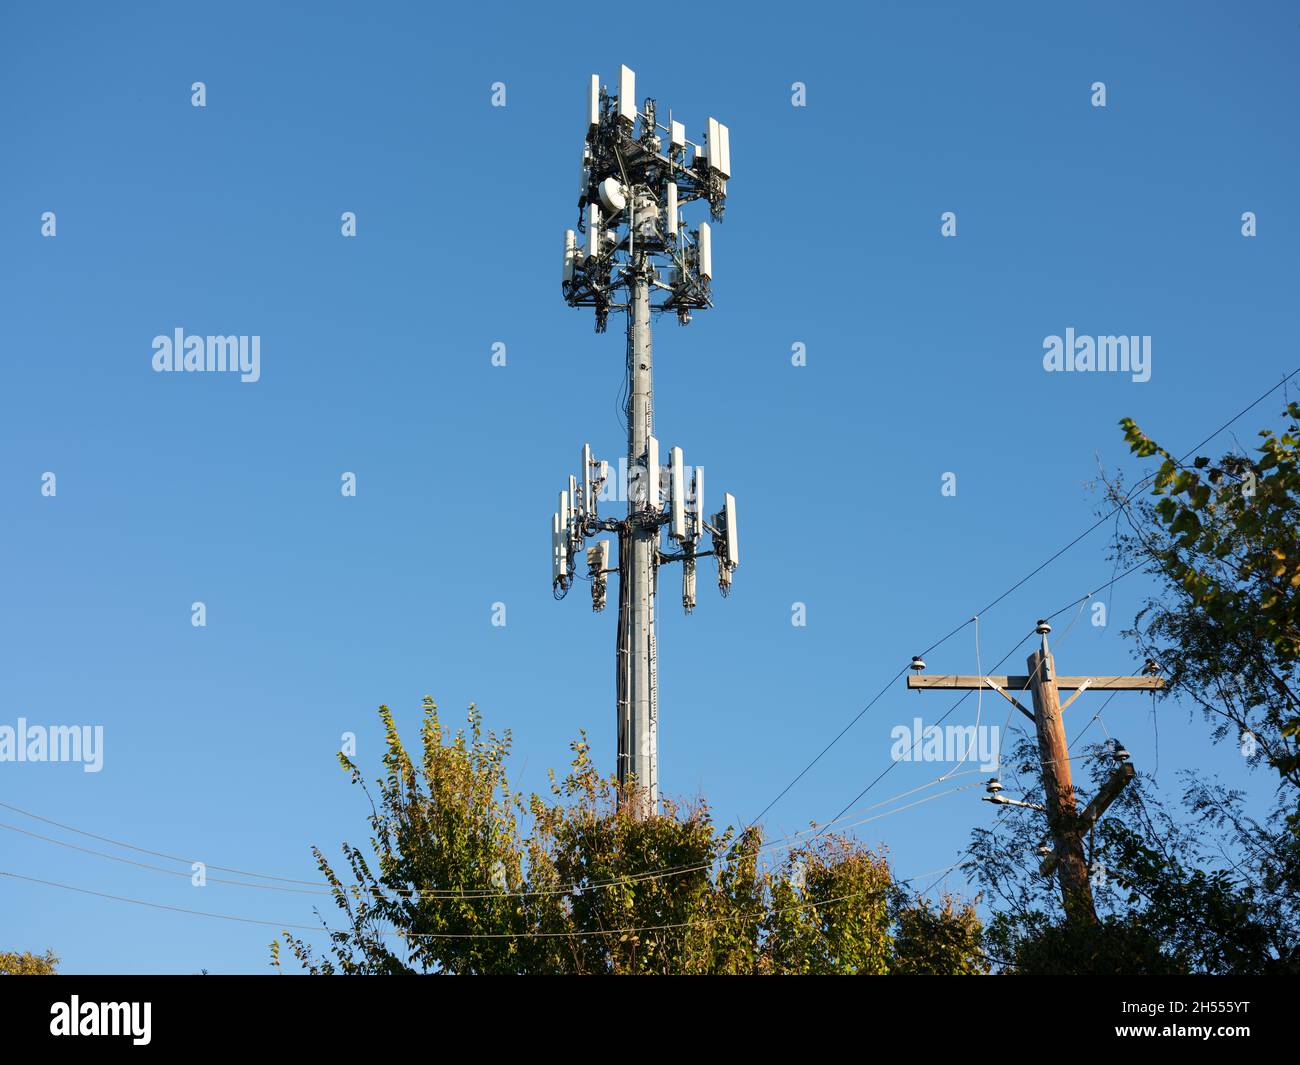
(463, 875)
(1213, 889)
(942, 940)
(849, 931)
(1209, 891)
(1223, 536)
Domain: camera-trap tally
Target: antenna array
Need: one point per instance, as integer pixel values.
(639, 255)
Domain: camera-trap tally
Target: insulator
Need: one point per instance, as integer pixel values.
(918, 663)
(1043, 627)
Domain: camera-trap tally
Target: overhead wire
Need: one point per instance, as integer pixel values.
(316, 887)
(787, 842)
(975, 618)
(979, 699)
(402, 934)
(1081, 603)
(405, 935)
(1032, 573)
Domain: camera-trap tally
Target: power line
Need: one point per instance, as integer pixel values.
(1034, 572)
(856, 717)
(784, 791)
(943, 873)
(1075, 602)
(159, 868)
(1095, 717)
(1080, 602)
(788, 842)
(756, 915)
(145, 850)
(893, 764)
(315, 887)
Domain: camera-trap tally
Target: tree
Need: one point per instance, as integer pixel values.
(464, 875)
(28, 964)
(1224, 538)
(943, 940)
(1212, 892)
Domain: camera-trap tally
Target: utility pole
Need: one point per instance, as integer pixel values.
(630, 201)
(1066, 826)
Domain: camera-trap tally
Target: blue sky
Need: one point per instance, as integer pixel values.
(924, 357)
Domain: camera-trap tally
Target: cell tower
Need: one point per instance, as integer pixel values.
(630, 206)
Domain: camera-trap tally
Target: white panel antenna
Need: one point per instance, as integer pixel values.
(559, 551)
(593, 230)
(588, 504)
(566, 515)
(593, 103)
(718, 148)
(729, 517)
(575, 510)
(570, 252)
(677, 488)
(670, 209)
(627, 94)
(706, 251)
(697, 493)
(652, 473)
(677, 136)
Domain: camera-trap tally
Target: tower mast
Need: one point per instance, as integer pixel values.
(630, 207)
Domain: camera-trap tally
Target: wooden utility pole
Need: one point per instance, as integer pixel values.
(1067, 826)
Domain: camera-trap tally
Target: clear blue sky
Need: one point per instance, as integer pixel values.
(924, 357)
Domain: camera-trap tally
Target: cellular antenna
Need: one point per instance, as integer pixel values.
(641, 256)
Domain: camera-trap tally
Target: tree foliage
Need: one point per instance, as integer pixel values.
(463, 875)
(28, 964)
(1224, 537)
(1211, 891)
